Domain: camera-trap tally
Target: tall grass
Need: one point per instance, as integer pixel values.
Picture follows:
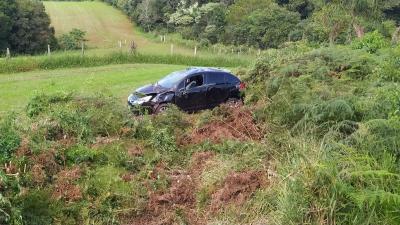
(24, 64)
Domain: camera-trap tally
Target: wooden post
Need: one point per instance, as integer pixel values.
(195, 50)
(8, 54)
(83, 48)
(120, 44)
(172, 49)
(165, 39)
(125, 41)
(48, 50)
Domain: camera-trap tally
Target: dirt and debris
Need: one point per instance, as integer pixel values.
(65, 187)
(237, 123)
(180, 197)
(135, 150)
(127, 177)
(237, 188)
(47, 161)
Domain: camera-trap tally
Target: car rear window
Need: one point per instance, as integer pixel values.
(215, 78)
(229, 78)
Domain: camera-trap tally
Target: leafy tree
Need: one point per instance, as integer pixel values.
(72, 40)
(333, 20)
(25, 27)
(7, 12)
(266, 28)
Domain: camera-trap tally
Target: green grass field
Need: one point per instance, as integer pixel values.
(119, 80)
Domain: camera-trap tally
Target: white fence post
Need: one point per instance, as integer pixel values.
(195, 50)
(172, 49)
(8, 54)
(48, 50)
(83, 48)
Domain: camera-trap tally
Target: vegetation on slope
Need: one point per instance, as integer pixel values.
(265, 23)
(316, 143)
(25, 27)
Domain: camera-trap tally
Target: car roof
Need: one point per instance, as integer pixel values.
(192, 70)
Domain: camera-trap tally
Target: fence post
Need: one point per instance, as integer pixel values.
(83, 48)
(165, 39)
(48, 50)
(172, 49)
(120, 44)
(259, 51)
(195, 50)
(8, 54)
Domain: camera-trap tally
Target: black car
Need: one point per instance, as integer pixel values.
(191, 90)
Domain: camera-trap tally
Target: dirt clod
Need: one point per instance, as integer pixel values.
(65, 188)
(237, 123)
(237, 188)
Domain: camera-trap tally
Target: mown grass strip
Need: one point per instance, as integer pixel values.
(25, 64)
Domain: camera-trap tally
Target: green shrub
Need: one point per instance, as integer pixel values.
(371, 42)
(389, 67)
(38, 208)
(72, 40)
(9, 138)
(79, 154)
(41, 102)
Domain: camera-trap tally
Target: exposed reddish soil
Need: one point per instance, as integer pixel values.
(127, 177)
(237, 123)
(135, 150)
(65, 187)
(23, 149)
(237, 188)
(162, 207)
(47, 161)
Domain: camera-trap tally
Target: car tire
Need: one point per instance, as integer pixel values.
(161, 108)
(234, 102)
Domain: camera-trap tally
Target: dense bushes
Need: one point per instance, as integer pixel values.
(25, 27)
(9, 138)
(267, 23)
(341, 151)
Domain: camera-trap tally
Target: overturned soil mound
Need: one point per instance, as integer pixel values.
(237, 188)
(237, 123)
(65, 188)
(180, 197)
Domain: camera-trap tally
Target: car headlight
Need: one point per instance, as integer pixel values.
(141, 100)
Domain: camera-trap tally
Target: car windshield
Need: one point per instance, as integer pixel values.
(172, 79)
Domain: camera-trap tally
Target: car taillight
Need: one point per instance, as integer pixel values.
(242, 86)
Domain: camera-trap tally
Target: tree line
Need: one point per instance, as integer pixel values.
(25, 27)
(265, 23)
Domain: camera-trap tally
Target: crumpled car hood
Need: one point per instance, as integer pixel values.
(151, 89)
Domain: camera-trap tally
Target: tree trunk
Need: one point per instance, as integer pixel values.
(359, 30)
(396, 36)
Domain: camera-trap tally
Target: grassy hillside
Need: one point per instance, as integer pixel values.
(105, 26)
(118, 80)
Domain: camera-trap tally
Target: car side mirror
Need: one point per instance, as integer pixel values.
(191, 85)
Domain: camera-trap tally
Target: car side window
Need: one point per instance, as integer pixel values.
(230, 79)
(215, 78)
(198, 79)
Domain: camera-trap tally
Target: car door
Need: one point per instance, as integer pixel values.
(217, 90)
(192, 98)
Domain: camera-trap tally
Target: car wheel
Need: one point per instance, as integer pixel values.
(161, 108)
(234, 102)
